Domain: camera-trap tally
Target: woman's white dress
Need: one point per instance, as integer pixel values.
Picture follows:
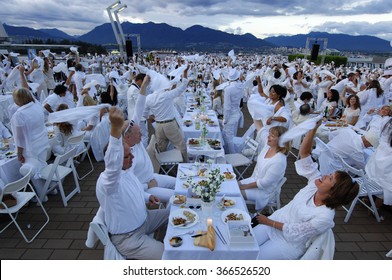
(267, 174)
(30, 133)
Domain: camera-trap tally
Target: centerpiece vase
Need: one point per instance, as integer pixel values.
(207, 207)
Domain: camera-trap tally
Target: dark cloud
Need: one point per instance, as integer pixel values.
(78, 17)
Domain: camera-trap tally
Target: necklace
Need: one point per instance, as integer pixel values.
(315, 200)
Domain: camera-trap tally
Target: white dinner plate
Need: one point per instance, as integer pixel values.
(179, 213)
(231, 179)
(171, 200)
(245, 215)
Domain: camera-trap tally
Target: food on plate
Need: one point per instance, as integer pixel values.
(179, 199)
(188, 123)
(190, 216)
(228, 202)
(202, 172)
(213, 142)
(228, 175)
(179, 221)
(234, 217)
(193, 141)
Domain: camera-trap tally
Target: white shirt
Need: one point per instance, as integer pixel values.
(267, 174)
(132, 95)
(233, 94)
(120, 193)
(302, 219)
(53, 100)
(161, 103)
(142, 165)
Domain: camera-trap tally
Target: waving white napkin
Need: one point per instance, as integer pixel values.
(258, 109)
(177, 72)
(298, 130)
(73, 114)
(99, 78)
(232, 55)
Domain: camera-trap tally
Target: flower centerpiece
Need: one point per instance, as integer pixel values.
(209, 186)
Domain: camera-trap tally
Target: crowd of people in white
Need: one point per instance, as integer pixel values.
(280, 96)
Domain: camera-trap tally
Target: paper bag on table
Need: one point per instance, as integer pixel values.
(207, 240)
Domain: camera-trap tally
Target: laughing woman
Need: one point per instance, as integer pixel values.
(285, 233)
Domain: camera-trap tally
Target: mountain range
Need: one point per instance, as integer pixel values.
(199, 38)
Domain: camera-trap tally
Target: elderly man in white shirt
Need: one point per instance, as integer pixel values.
(123, 200)
(132, 95)
(160, 104)
(233, 94)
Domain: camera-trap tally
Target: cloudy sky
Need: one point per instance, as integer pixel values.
(259, 17)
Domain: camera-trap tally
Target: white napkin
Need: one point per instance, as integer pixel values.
(298, 130)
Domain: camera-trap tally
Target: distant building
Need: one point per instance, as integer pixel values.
(368, 62)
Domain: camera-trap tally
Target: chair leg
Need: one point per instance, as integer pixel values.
(90, 171)
(374, 208)
(13, 220)
(349, 212)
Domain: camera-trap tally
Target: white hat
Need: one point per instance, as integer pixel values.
(234, 74)
(387, 73)
(372, 137)
(388, 63)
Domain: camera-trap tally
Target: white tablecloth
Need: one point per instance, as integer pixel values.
(191, 131)
(188, 251)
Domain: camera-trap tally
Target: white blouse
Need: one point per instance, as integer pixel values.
(302, 219)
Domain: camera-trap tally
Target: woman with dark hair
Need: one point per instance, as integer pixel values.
(353, 109)
(331, 102)
(280, 116)
(286, 233)
(269, 170)
(305, 98)
(372, 98)
(110, 95)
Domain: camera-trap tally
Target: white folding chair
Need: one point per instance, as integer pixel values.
(56, 172)
(328, 161)
(275, 203)
(239, 142)
(320, 247)
(367, 188)
(76, 141)
(245, 158)
(99, 230)
(19, 191)
(168, 159)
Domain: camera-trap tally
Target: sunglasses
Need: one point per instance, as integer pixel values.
(194, 207)
(131, 124)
